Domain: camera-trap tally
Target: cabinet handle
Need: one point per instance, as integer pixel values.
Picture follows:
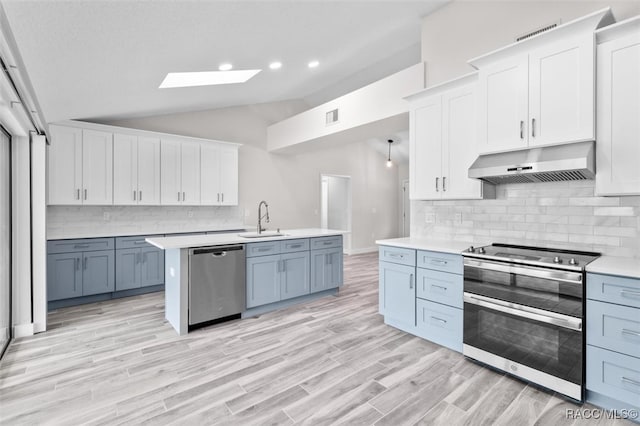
(134, 195)
(396, 255)
(284, 266)
(439, 262)
(437, 190)
(296, 245)
(439, 286)
(630, 293)
(178, 195)
(78, 194)
(630, 381)
(84, 263)
(85, 194)
(218, 197)
(444, 183)
(76, 261)
(144, 257)
(439, 319)
(264, 248)
(183, 196)
(79, 246)
(139, 242)
(140, 196)
(631, 332)
(328, 243)
(533, 127)
(223, 197)
(411, 281)
(521, 129)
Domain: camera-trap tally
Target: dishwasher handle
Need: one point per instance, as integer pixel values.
(217, 251)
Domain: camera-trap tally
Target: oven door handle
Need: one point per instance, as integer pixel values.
(527, 312)
(548, 274)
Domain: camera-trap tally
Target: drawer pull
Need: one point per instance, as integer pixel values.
(439, 320)
(631, 332)
(630, 381)
(411, 281)
(328, 243)
(396, 255)
(439, 262)
(439, 286)
(264, 248)
(296, 245)
(78, 246)
(140, 242)
(630, 293)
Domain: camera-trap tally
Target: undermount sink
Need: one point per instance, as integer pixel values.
(264, 234)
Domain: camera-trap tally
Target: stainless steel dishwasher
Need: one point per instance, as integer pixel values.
(217, 288)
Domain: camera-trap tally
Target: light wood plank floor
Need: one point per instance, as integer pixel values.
(331, 361)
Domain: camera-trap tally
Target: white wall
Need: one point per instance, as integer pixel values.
(289, 183)
(463, 30)
(559, 214)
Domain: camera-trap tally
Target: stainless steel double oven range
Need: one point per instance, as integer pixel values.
(524, 313)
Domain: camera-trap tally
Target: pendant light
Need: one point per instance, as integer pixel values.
(389, 163)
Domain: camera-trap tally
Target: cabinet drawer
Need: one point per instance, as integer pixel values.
(263, 249)
(609, 288)
(290, 246)
(134, 241)
(326, 242)
(613, 327)
(79, 245)
(441, 287)
(440, 324)
(614, 375)
(402, 256)
(445, 262)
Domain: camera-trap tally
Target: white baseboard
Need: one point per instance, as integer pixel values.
(22, 330)
(372, 249)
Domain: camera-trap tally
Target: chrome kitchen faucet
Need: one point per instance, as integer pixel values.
(266, 215)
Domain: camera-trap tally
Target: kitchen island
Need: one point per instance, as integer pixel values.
(279, 271)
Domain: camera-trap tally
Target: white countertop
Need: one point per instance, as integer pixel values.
(611, 265)
(443, 246)
(187, 241)
(98, 232)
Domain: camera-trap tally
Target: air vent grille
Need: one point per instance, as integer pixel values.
(560, 176)
(538, 31)
(331, 117)
(538, 177)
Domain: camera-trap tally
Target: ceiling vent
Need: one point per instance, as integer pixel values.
(332, 117)
(538, 31)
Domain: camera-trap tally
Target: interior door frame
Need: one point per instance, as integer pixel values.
(347, 237)
(10, 293)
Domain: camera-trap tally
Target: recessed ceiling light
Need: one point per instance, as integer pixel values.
(206, 78)
(313, 64)
(275, 65)
(225, 67)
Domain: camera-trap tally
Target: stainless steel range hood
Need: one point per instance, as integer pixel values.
(575, 161)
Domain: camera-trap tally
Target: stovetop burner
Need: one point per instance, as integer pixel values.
(557, 258)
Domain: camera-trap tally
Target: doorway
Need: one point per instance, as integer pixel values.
(5, 241)
(405, 210)
(335, 205)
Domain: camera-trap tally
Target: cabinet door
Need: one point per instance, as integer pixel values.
(263, 280)
(148, 171)
(125, 169)
(98, 268)
(64, 166)
(333, 278)
(190, 173)
(97, 167)
(397, 293)
(426, 150)
(170, 172)
(64, 276)
(210, 174)
(459, 148)
(294, 275)
(319, 268)
(152, 267)
(229, 176)
(618, 113)
(128, 269)
(502, 105)
(561, 92)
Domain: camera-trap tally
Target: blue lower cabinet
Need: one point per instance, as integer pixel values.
(127, 269)
(326, 269)
(64, 276)
(294, 275)
(152, 266)
(440, 324)
(614, 375)
(440, 287)
(397, 293)
(263, 280)
(98, 269)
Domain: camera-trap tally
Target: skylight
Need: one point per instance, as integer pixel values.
(206, 78)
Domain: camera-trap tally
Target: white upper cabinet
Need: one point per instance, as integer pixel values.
(80, 166)
(443, 142)
(540, 91)
(219, 174)
(136, 170)
(180, 172)
(618, 109)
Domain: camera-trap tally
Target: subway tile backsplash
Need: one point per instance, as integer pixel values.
(97, 221)
(554, 214)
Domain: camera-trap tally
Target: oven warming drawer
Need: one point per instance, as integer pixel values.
(554, 383)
